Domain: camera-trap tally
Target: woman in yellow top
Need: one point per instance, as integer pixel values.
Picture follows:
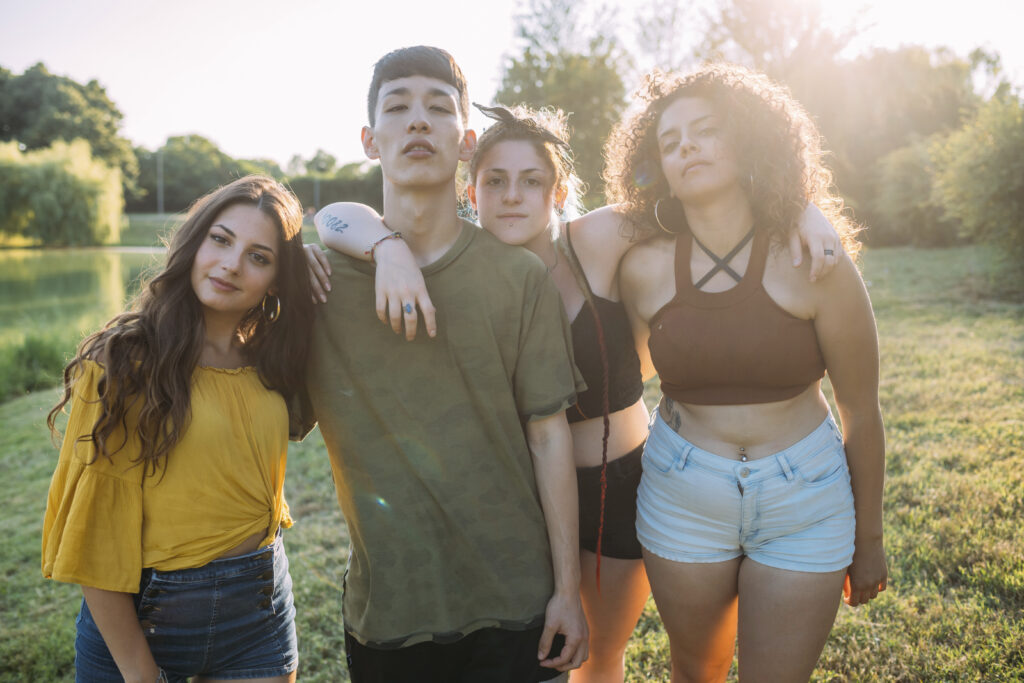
(167, 501)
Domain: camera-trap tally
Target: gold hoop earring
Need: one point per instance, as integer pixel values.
(275, 308)
(657, 218)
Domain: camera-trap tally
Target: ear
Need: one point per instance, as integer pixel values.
(369, 144)
(561, 192)
(468, 145)
(471, 193)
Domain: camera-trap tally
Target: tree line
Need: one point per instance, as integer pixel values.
(926, 145)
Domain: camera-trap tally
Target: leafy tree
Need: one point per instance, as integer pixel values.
(59, 195)
(37, 108)
(979, 176)
(192, 166)
(906, 210)
(322, 162)
(560, 66)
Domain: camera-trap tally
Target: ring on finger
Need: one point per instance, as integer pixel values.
(829, 252)
(408, 309)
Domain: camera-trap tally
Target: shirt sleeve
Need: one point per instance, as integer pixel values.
(546, 378)
(92, 531)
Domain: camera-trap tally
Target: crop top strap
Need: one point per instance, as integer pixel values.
(755, 264)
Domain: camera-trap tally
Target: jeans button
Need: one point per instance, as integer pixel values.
(745, 472)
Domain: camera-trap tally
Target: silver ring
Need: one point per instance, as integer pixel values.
(829, 252)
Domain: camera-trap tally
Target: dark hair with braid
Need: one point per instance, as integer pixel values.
(148, 354)
(547, 131)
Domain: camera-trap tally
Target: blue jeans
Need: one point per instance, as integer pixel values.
(790, 510)
(231, 618)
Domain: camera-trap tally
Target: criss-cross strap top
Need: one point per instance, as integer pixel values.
(732, 347)
(625, 384)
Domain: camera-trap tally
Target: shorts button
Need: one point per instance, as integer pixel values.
(745, 472)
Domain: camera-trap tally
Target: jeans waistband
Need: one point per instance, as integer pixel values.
(781, 462)
(225, 567)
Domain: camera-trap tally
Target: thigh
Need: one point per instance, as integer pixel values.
(784, 619)
(697, 603)
(613, 611)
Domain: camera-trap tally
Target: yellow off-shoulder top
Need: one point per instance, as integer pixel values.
(223, 482)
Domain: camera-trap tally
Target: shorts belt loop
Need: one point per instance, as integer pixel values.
(786, 469)
(681, 462)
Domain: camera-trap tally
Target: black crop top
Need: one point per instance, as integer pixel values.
(625, 384)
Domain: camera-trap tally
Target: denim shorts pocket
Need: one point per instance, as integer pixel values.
(659, 456)
(826, 467)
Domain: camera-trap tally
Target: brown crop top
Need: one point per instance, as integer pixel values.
(733, 347)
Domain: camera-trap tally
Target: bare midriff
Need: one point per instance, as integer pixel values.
(750, 431)
(247, 546)
(628, 429)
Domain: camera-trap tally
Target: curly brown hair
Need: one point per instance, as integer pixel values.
(148, 354)
(777, 144)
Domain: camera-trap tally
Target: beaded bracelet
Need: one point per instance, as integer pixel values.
(373, 247)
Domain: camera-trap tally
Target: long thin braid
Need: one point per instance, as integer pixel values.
(581, 281)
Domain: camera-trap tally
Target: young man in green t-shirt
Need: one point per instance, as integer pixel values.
(451, 454)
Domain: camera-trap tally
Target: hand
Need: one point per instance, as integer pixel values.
(319, 272)
(821, 239)
(867, 575)
(400, 289)
(564, 614)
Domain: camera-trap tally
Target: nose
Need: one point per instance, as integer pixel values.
(232, 260)
(419, 122)
(687, 146)
(512, 194)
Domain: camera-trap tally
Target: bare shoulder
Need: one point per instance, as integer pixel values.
(647, 266)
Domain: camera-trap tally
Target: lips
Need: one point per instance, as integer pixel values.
(511, 215)
(222, 285)
(692, 165)
(418, 148)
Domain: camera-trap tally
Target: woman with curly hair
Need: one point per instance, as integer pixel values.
(523, 188)
(167, 503)
(754, 508)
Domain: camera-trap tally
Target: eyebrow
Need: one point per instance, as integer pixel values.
(497, 169)
(433, 92)
(231, 232)
(691, 123)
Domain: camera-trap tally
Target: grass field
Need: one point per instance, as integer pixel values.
(953, 398)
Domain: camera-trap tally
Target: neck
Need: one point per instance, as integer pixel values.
(426, 217)
(220, 342)
(543, 245)
(722, 221)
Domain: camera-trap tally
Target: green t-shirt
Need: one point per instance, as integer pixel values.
(427, 446)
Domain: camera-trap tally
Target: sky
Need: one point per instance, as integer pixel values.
(269, 78)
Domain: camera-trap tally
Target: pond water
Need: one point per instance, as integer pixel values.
(67, 293)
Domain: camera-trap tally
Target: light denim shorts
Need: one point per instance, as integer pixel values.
(791, 510)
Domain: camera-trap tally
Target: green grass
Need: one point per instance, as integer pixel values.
(953, 397)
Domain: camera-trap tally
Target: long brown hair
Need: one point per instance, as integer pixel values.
(778, 146)
(149, 353)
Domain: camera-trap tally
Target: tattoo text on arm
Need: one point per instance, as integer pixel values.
(335, 224)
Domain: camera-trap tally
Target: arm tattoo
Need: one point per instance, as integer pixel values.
(335, 224)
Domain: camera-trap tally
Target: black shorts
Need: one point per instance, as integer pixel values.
(619, 538)
(490, 654)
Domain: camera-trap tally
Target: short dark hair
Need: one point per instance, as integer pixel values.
(419, 60)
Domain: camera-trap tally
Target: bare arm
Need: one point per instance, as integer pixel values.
(353, 229)
(114, 614)
(849, 342)
(551, 447)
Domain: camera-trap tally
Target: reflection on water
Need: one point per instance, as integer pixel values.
(67, 293)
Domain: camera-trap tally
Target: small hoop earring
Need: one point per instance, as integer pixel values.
(657, 218)
(274, 313)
